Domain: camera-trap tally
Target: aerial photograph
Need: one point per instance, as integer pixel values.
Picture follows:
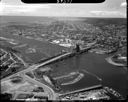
(63, 51)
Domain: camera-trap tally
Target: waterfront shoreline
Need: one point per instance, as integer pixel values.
(78, 78)
(75, 80)
(109, 60)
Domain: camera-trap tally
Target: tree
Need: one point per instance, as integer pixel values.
(5, 96)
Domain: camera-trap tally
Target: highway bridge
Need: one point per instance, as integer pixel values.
(48, 89)
(57, 58)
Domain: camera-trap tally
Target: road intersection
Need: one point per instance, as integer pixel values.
(51, 94)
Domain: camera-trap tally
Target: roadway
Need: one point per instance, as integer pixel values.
(50, 91)
(35, 66)
(47, 89)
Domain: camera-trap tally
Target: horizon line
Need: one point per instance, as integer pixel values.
(60, 16)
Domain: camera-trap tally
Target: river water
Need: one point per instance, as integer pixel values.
(94, 66)
(97, 71)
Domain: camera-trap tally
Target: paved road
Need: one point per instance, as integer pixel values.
(47, 89)
(33, 67)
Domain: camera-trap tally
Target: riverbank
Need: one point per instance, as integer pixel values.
(72, 75)
(75, 80)
(109, 60)
(97, 51)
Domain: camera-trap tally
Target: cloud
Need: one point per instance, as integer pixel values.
(6, 9)
(123, 4)
(108, 13)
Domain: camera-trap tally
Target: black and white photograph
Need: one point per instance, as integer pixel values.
(63, 51)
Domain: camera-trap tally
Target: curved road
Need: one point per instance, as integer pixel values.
(49, 90)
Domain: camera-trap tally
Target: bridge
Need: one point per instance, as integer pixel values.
(35, 66)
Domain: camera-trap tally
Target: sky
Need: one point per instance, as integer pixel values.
(109, 8)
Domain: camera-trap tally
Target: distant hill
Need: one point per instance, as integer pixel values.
(35, 19)
(66, 25)
(23, 19)
(106, 21)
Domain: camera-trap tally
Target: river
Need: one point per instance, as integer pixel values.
(93, 65)
(97, 71)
